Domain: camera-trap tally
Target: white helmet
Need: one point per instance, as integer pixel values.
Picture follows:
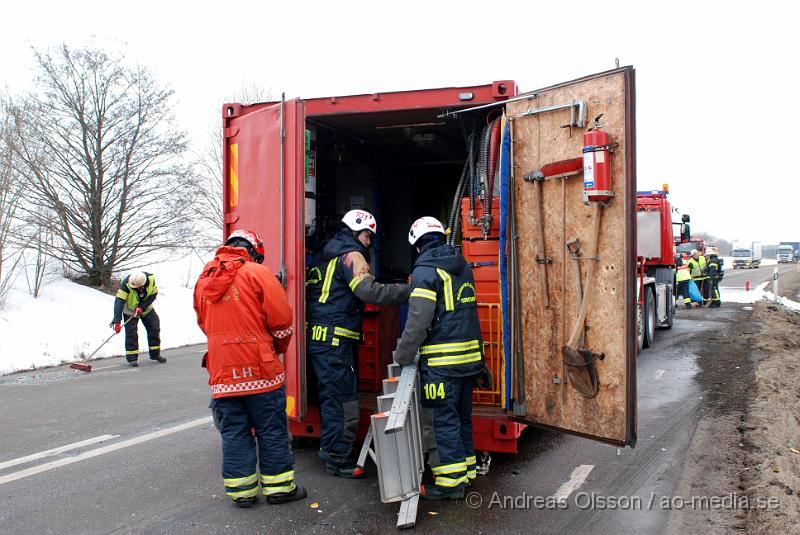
(422, 226)
(137, 279)
(358, 220)
(694, 252)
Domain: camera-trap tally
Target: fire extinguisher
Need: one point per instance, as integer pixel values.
(597, 164)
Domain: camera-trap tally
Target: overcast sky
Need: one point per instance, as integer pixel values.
(716, 81)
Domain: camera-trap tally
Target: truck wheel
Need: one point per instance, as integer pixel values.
(670, 310)
(639, 327)
(649, 317)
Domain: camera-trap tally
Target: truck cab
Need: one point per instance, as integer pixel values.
(785, 254)
(747, 257)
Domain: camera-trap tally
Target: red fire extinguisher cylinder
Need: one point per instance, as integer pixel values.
(596, 166)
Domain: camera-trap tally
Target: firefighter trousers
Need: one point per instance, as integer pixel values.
(152, 325)
(337, 386)
(683, 291)
(265, 414)
(450, 398)
(713, 286)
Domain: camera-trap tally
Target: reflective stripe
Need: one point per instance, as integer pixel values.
(448, 289)
(280, 334)
(347, 333)
(449, 347)
(122, 294)
(472, 459)
(222, 388)
(457, 359)
(249, 493)
(355, 282)
(326, 286)
(449, 468)
(335, 342)
(450, 482)
(472, 474)
(240, 481)
(132, 352)
(279, 478)
(153, 348)
(422, 292)
(276, 490)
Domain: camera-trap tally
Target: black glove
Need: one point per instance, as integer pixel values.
(484, 379)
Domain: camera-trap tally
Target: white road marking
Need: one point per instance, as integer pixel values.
(55, 451)
(577, 478)
(100, 451)
(659, 373)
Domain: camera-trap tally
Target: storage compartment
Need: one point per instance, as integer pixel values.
(400, 166)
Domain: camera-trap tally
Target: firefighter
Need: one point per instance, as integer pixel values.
(698, 271)
(338, 283)
(443, 327)
(243, 310)
(134, 301)
(715, 274)
(682, 278)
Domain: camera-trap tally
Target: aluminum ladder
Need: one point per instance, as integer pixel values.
(395, 442)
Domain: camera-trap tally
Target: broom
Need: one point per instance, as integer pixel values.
(82, 366)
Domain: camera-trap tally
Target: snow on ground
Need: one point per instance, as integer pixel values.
(739, 295)
(69, 319)
(758, 293)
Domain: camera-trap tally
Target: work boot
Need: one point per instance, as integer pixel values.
(133, 363)
(245, 503)
(323, 455)
(284, 497)
(432, 492)
(688, 305)
(159, 358)
(345, 470)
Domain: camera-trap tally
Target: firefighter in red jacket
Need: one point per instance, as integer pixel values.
(244, 312)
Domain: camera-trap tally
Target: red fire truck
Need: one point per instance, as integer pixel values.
(655, 262)
(292, 168)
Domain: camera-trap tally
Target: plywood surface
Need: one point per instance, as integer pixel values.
(539, 140)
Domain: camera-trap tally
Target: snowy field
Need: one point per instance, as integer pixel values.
(68, 319)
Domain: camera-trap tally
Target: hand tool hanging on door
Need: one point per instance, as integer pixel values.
(574, 247)
(558, 169)
(580, 361)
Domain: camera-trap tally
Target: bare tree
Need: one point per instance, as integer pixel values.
(101, 153)
(11, 192)
(209, 165)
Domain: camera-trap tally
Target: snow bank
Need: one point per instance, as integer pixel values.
(739, 295)
(69, 319)
(759, 293)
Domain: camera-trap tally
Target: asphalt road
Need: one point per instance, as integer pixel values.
(158, 471)
(735, 278)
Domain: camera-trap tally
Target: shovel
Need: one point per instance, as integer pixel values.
(82, 366)
(580, 362)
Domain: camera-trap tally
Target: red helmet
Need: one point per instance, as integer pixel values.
(256, 246)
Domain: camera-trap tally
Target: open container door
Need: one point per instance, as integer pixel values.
(545, 391)
(263, 190)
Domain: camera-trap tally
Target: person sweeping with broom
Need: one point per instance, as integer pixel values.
(134, 301)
